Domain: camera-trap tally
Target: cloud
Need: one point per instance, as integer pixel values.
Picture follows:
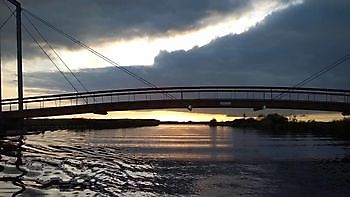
(283, 50)
(96, 21)
(106, 21)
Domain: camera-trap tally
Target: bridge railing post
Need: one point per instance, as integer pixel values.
(264, 95)
(290, 95)
(271, 97)
(345, 97)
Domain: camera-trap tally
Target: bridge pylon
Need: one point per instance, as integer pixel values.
(19, 52)
(16, 123)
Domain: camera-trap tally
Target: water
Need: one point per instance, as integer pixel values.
(174, 160)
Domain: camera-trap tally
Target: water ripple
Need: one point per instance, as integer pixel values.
(165, 161)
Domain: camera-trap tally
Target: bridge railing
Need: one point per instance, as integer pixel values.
(183, 93)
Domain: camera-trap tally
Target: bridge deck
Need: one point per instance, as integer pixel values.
(181, 97)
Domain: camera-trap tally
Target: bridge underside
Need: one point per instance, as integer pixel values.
(102, 108)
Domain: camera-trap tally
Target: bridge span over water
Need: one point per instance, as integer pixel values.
(255, 97)
(101, 102)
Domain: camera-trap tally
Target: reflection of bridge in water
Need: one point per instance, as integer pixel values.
(11, 148)
(101, 102)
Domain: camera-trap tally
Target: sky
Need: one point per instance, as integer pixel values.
(183, 43)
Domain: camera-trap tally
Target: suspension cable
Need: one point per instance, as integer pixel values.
(115, 64)
(55, 52)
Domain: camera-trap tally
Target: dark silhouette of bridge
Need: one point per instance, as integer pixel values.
(101, 102)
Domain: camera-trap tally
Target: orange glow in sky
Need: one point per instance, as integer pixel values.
(183, 116)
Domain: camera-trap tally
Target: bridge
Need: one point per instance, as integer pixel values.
(101, 102)
(154, 97)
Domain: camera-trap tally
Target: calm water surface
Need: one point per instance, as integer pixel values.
(174, 160)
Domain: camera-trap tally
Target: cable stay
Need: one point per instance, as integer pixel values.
(318, 74)
(0, 65)
(6, 20)
(3, 25)
(83, 45)
(47, 43)
(12, 13)
(323, 71)
(49, 55)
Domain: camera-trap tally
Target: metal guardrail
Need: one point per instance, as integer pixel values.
(182, 93)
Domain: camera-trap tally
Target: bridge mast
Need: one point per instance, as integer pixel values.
(19, 53)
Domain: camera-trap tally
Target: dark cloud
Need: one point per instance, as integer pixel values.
(100, 21)
(283, 50)
(118, 18)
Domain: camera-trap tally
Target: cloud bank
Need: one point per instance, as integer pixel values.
(284, 49)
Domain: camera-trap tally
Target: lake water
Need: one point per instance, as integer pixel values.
(174, 160)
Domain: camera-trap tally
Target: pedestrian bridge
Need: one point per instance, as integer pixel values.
(255, 97)
(101, 102)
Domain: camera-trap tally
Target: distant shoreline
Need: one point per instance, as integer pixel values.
(275, 123)
(86, 124)
(272, 123)
(184, 123)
